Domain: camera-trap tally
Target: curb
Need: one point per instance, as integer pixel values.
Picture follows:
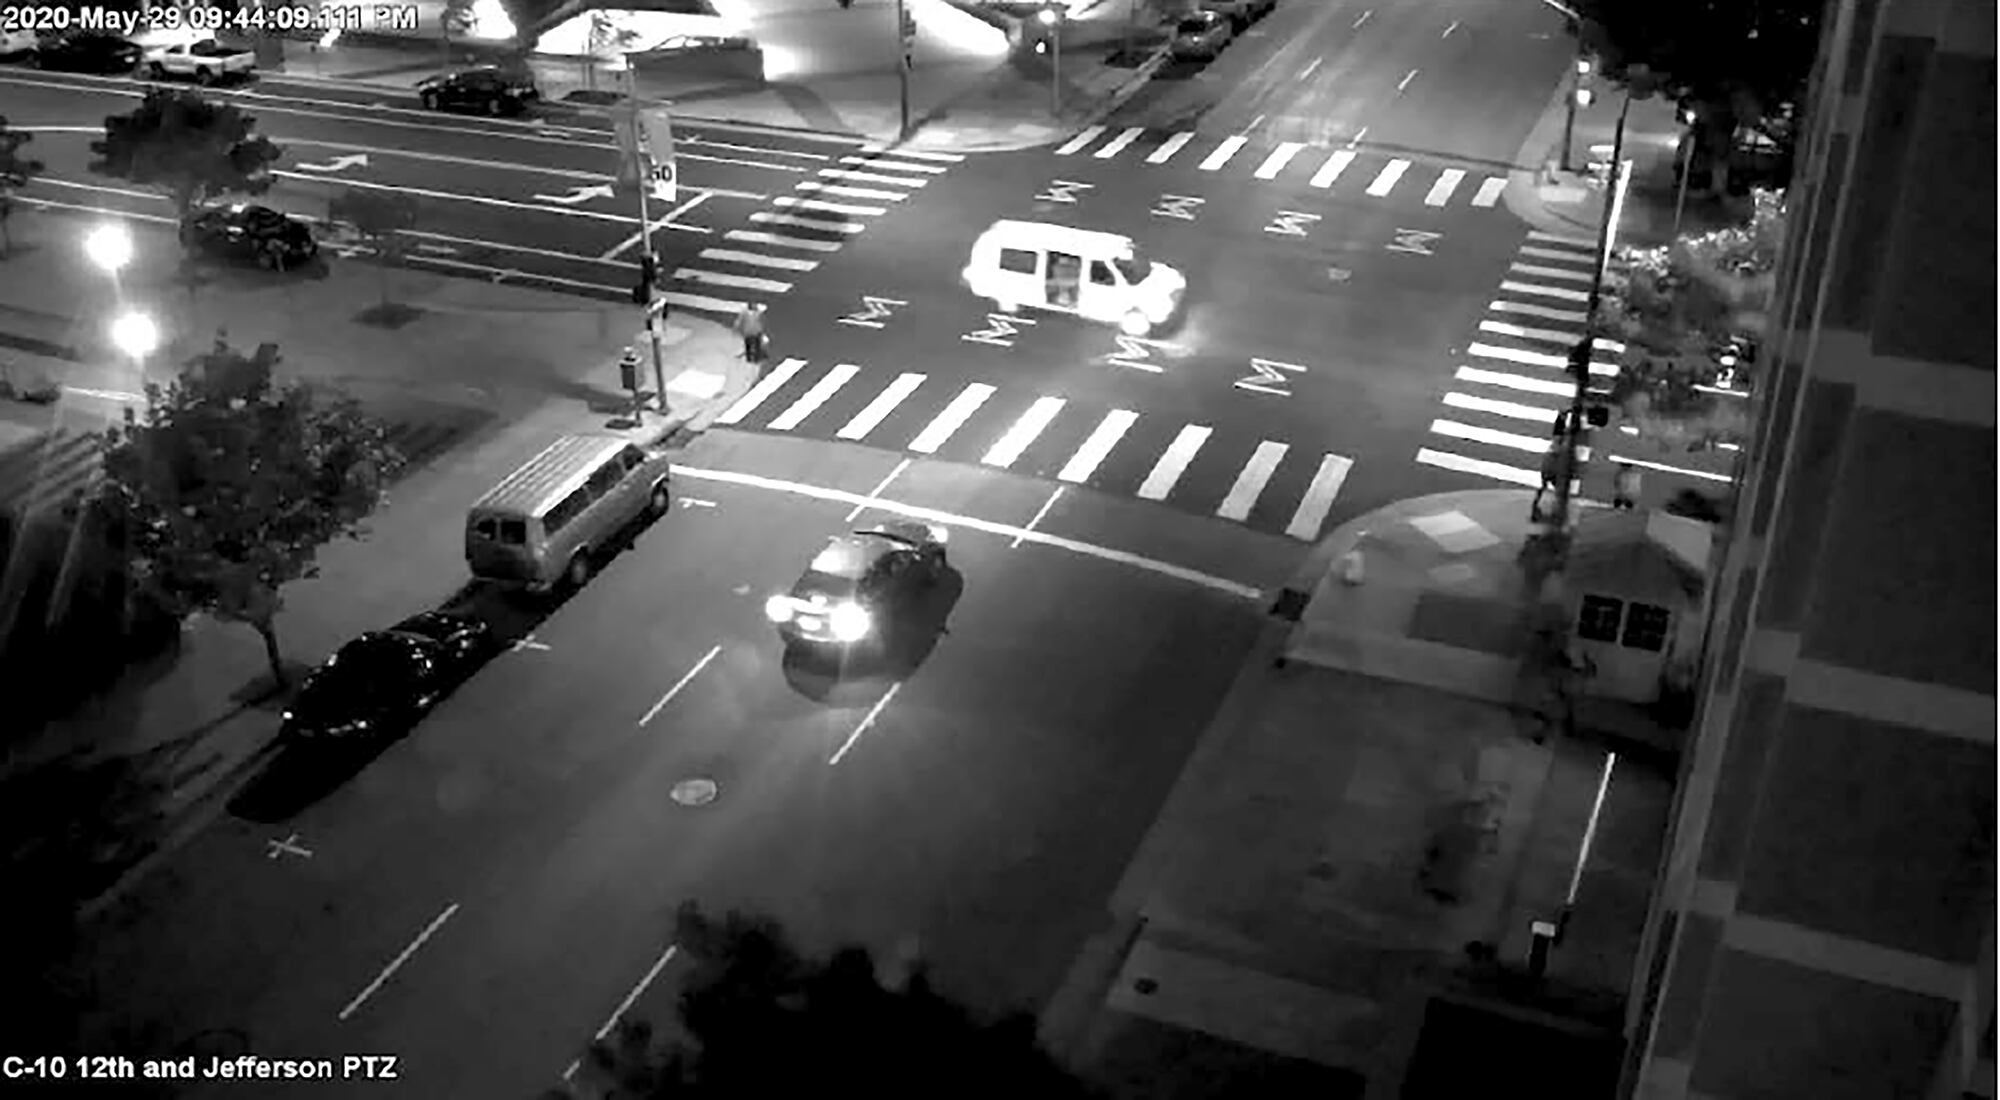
(1521, 195)
(1140, 77)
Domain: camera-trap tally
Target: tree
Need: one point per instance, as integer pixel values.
(1733, 62)
(188, 146)
(380, 217)
(225, 491)
(16, 169)
(758, 1019)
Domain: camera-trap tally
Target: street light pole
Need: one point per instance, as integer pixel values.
(1577, 73)
(1051, 17)
(651, 262)
(903, 29)
(1687, 164)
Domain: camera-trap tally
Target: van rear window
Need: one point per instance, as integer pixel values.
(514, 532)
(1018, 260)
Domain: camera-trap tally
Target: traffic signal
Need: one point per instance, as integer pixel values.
(1597, 416)
(1579, 359)
(649, 274)
(909, 25)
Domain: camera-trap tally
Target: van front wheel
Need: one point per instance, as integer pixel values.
(578, 572)
(659, 502)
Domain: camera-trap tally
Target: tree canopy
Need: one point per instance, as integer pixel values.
(190, 146)
(757, 1019)
(379, 217)
(16, 169)
(226, 489)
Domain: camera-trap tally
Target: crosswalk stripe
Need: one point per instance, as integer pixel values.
(756, 259)
(762, 391)
(1533, 444)
(1169, 147)
(903, 151)
(1513, 410)
(1555, 254)
(1174, 462)
(1552, 272)
(1533, 358)
(1386, 180)
(1117, 145)
(1318, 500)
(1102, 438)
(1222, 153)
(1023, 432)
(1560, 238)
(872, 177)
(813, 398)
(765, 217)
(1498, 471)
(1082, 139)
(846, 192)
(1489, 192)
(1447, 182)
(1281, 156)
(879, 409)
(701, 303)
(1331, 170)
(797, 203)
(931, 168)
(717, 278)
(1553, 335)
(1553, 386)
(952, 418)
(752, 236)
(1549, 291)
(1548, 312)
(1250, 481)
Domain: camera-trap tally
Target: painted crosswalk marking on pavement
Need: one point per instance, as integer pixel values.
(846, 192)
(826, 387)
(1498, 471)
(1513, 410)
(1489, 191)
(723, 278)
(1532, 358)
(755, 236)
(1251, 480)
(934, 169)
(919, 154)
(1553, 335)
(952, 418)
(1543, 271)
(879, 409)
(1117, 145)
(1313, 507)
(762, 391)
(1102, 438)
(1222, 153)
(1589, 243)
(765, 217)
(756, 259)
(1023, 432)
(1447, 182)
(1555, 387)
(830, 207)
(1531, 310)
(1547, 291)
(1168, 148)
(1552, 254)
(1083, 138)
(1532, 444)
(1174, 462)
(1281, 156)
(1331, 170)
(1386, 181)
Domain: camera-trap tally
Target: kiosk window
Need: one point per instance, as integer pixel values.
(1646, 627)
(1598, 619)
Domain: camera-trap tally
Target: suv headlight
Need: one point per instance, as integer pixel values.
(850, 622)
(778, 609)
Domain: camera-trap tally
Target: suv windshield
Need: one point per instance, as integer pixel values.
(830, 585)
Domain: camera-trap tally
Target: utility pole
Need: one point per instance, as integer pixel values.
(1575, 97)
(649, 268)
(906, 33)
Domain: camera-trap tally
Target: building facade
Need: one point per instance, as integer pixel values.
(1824, 925)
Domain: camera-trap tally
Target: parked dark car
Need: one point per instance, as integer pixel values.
(379, 685)
(487, 88)
(244, 232)
(89, 52)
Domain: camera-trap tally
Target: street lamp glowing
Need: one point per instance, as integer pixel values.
(1583, 66)
(135, 334)
(1048, 17)
(1583, 97)
(109, 247)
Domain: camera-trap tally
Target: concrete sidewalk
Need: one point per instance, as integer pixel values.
(1367, 803)
(511, 367)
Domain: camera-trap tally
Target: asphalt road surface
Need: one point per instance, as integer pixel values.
(481, 898)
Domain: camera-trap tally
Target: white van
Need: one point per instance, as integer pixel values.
(550, 520)
(1101, 276)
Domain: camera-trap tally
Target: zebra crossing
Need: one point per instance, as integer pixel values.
(1499, 414)
(1318, 167)
(799, 231)
(1266, 484)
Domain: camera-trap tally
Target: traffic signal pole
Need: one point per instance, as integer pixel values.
(903, 35)
(649, 266)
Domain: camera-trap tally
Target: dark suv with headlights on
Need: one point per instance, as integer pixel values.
(854, 588)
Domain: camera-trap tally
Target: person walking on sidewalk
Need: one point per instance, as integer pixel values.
(750, 326)
(1625, 487)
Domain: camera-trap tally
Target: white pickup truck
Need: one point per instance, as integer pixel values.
(205, 60)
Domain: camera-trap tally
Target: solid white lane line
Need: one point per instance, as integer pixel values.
(1385, 181)
(1533, 358)
(768, 218)
(1551, 272)
(846, 192)
(743, 282)
(1318, 501)
(1222, 153)
(701, 302)
(1250, 482)
(872, 177)
(1589, 243)
(752, 236)
(1564, 293)
(1169, 147)
(1514, 475)
(974, 523)
(624, 1006)
(1331, 170)
(502, 274)
(1023, 432)
(1513, 410)
(879, 409)
(826, 387)
(1554, 386)
(1489, 191)
(1091, 455)
(1532, 444)
(1664, 468)
(796, 203)
(1174, 462)
(681, 683)
(756, 259)
(1035, 520)
(1547, 312)
(1447, 182)
(952, 418)
(1085, 137)
(1281, 156)
(762, 391)
(1117, 145)
(874, 712)
(396, 963)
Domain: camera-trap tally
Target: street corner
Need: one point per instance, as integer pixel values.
(706, 371)
(1414, 533)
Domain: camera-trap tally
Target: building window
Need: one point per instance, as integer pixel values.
(1598, 622)
(1646, 627)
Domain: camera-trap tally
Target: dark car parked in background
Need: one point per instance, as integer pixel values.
(487, 88)
(244, 232)
(379, 685)
(89, 52)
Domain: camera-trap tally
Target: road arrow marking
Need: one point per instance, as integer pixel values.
(579, 195)
(338, 164)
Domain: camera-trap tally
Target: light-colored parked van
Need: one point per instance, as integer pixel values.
(549, 520)
(1097, 275)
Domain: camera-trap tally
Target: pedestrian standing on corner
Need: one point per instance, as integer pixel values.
(1625, 487)
(750, 326)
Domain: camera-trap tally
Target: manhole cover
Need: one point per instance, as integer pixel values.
(695, 792)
